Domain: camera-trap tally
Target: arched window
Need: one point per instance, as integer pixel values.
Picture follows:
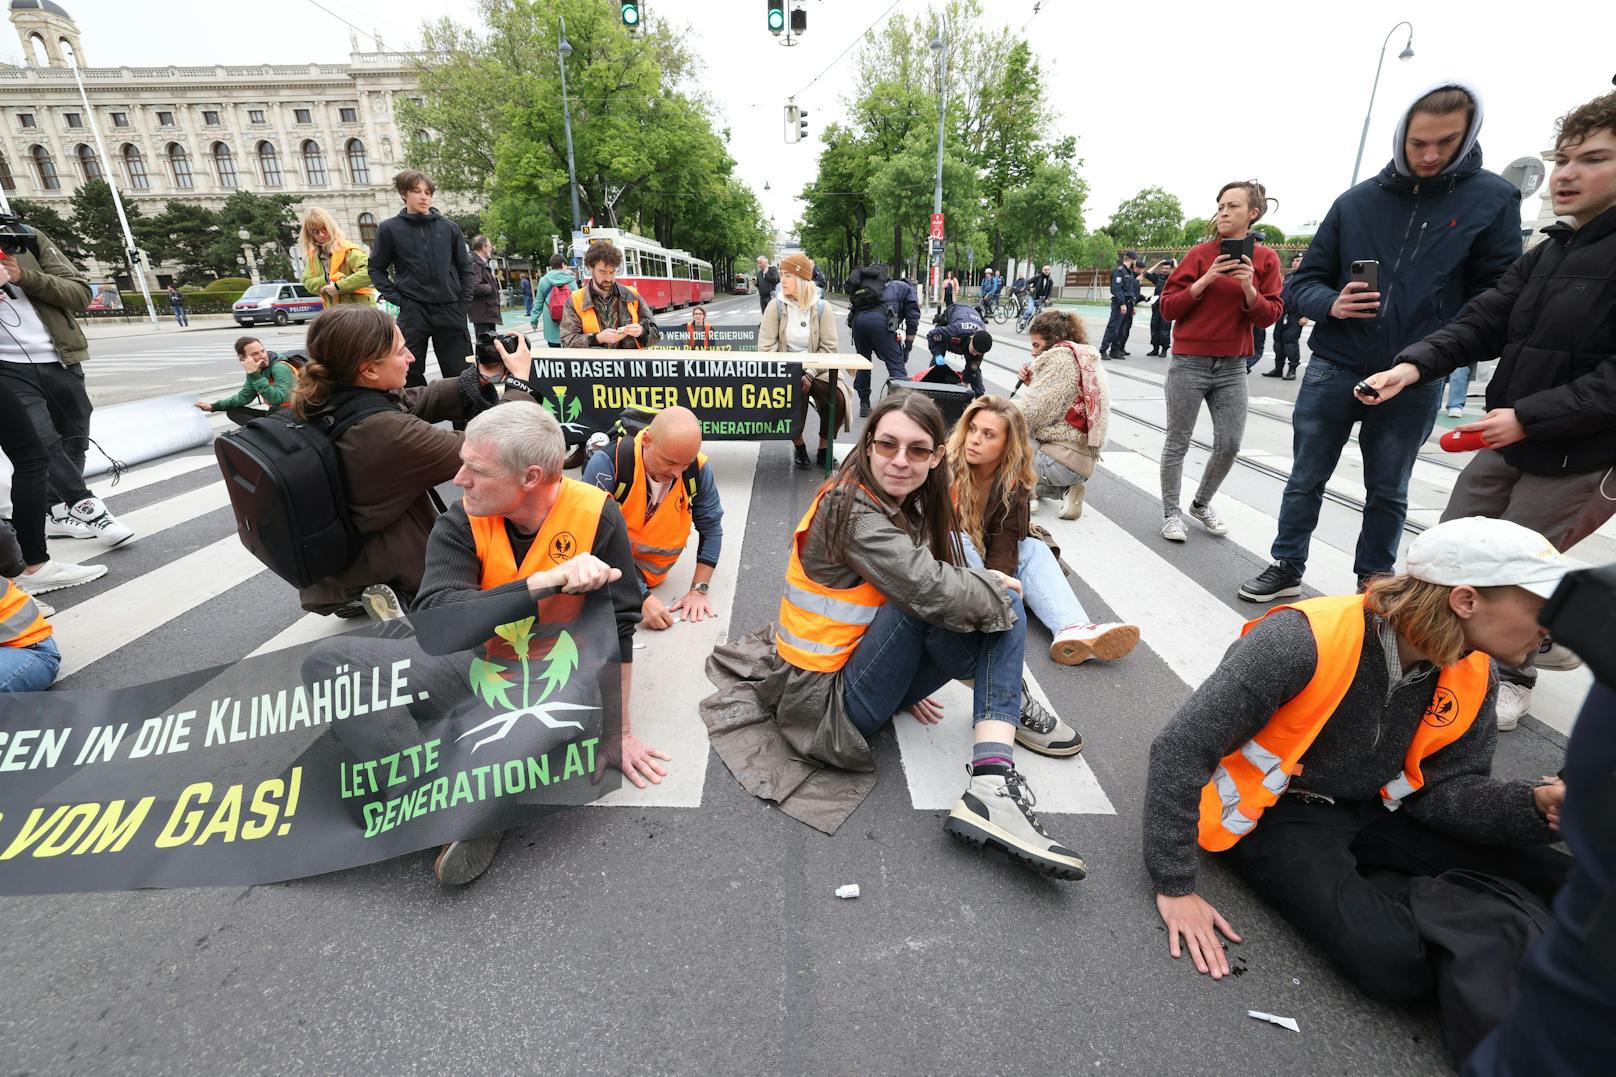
(358, 165)
(48, 179)
(135, 165)
(225, 165)
(367, 228)
(7, 182)
(89, 164)
(313, 163)
(179, 163)
(36, 46)
(269, 164)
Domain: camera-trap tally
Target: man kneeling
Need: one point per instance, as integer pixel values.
(1329, 715)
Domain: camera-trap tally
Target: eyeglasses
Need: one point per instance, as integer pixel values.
(916, 454)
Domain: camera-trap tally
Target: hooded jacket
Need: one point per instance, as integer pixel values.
(421, 259)
(1440, 242)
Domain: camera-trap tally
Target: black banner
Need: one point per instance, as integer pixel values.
(317, 758)
(718, 338)
(738, 396)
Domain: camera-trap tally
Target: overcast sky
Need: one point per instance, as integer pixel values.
(1186, 95)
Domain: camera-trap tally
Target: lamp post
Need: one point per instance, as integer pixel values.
(247, 253)
(1053, 231)
(1407, 53)
(940, 47)
(563, 51)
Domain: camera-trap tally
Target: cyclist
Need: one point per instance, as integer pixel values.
(1041, 286)
(991, 283)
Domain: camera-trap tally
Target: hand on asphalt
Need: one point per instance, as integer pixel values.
(639, 763)
(1194, 920)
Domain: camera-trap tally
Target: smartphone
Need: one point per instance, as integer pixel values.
(1238, 248)
(1369, 273)
(1367, 390)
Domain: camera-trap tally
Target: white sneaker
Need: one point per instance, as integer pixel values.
(55, 575)
(1173, 529)
(1208, 519)
(1079, 643)
(1455, 413)
(1072, 504)
(59, 523)
(1555, 657)
(1514, 700)
(101, 523)
(45, 608)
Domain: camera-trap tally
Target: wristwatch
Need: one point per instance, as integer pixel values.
(700, 588)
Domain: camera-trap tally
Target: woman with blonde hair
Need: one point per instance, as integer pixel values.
(1067, 405)
(799, 320)
(992, 478)
(335, 269)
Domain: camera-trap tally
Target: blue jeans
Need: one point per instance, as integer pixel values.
(29, 669)
(1389, 439)
(1043, 584)
(902, 660)
(1458, 387)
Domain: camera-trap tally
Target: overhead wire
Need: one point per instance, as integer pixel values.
(879, 19)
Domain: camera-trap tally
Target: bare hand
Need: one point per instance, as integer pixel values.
(10, 269)
(330, 292)
(1355, 301)
(204, 405)
(1025, 374)
(635, 330)
(1498, 428)
(1220, 266)
(1010, 583)
(695, 606)
(520, 362)
(1245, 275)
(927, 711)
(654, 615)
(1389, 383)
(1198, 923)
(581, 574)
(609, 336)
(1549, 797)
(639, 762)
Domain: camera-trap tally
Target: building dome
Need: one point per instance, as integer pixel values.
(46, 30)
(46, 6)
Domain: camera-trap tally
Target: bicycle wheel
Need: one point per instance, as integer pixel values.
(1001, 312)
(1024, 319)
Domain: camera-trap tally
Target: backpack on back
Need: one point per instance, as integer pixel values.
(866, 287)
(288, 491)
(559, 294)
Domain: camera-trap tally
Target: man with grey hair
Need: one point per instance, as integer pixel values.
(768, 279)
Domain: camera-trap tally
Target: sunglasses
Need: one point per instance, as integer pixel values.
(915, 454)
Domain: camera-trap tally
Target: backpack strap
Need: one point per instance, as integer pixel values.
(336, 423)
(622, 472)
(692, 479)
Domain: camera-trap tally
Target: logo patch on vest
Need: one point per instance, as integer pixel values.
(563, 547)
(1444, 708)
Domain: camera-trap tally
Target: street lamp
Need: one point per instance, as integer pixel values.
(1407, 53)
(939, 47)
(248, 255)
(1052, 232)
(563, 51)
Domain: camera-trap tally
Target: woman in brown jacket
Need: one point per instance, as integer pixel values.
(392, 459)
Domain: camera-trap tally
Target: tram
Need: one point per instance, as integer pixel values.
(664, 278)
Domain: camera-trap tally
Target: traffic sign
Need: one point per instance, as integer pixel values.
(937, 246)
(936, 226)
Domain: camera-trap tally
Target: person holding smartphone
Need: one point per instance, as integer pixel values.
(1215, 297)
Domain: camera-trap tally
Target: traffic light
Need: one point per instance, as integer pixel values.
(630, 10)
(802, 124)
(777, 16)
(799, 20)
(793, 121)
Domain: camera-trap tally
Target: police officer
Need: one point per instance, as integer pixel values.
(960, 330)
(1124, 294)
(879, 307)
(1161, 330)
(1288, 333)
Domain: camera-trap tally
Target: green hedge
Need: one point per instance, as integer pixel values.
(195, 302)
(227, 284)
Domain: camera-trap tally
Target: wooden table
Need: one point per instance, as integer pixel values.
(835, 363)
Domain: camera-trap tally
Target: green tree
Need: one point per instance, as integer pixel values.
(1195, 231)
(1151, 218)
(1053, 195)
(1271, 235)
(188, 235)
(47, 220)
(272, 224)
(95, 218)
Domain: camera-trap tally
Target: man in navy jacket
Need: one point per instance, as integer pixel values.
(1443, 230)
(1124, 294)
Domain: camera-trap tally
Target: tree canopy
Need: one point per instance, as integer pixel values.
(1151, 218)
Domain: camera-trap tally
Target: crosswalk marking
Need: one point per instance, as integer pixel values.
(152, 520)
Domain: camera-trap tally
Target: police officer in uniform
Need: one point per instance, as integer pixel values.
(879, 307)
(1124, 294)
(1161, 330)
(961, 331)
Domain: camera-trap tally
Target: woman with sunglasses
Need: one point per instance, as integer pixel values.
(880, 611)
(991, 475)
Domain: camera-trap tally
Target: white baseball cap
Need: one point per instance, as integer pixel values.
(1487, 553)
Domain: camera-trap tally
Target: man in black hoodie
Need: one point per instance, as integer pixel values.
(1550, 427)
(420, 265)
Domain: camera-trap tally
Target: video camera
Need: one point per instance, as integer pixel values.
(16, 236)
(1582, 616)
(487, 356)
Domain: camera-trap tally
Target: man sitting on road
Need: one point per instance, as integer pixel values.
(961, 331)
(1292, 759)
(269, 379)
(664, 485)
(606, 314)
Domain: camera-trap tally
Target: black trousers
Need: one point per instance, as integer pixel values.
(1288, 345)
(1340, 874)
(445, 327)
(1161, 330)
(30, 471)
(1117, 328)
(870, 337)
(59, 408)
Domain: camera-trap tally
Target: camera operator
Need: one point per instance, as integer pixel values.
(41, 349)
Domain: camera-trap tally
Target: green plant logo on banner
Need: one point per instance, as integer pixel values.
(565, 411)
(490, 680)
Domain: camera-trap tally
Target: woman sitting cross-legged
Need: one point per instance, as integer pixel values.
(879, 612)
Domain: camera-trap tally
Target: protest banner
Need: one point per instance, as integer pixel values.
(716, 338)
(317, 758)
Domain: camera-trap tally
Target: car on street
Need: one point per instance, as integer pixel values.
(276, 301)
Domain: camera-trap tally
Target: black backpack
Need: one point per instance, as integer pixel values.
(622, 451)
(866, 287)
(288, 490)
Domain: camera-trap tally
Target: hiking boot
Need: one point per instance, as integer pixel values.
(88, 519)
(460, 862)
(1042, 731)
(864, 408)
(996, 809)
(1553, 656)
(1077, 644)
(819, 459)
(1208, 519)
(1278, 580)
(381, 603)
(799, 458)
(55, 575)
(1514, 700)
(1072, 501)
(1173, 529)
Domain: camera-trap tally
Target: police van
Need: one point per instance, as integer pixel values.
(276, 301)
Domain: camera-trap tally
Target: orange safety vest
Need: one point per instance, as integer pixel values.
(659, 541)
(339, 258)
(1256, 774)
(821, 626)
(706, 335)
(21, 624)
(591, 321)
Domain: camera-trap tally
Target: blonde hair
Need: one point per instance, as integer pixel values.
(319, 218)
(1014, 478)
(1422, 614)
(807, 292)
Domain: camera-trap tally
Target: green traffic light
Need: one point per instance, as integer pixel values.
(777, 20)
(631, 14)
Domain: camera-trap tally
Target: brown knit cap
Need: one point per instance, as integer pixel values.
(798, 265)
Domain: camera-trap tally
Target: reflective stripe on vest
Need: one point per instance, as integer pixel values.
(659, 541)
(21, 624)
(820, 627)
(1254, 776)
(590, 321)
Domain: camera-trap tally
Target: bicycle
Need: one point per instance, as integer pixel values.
(1007, 307)
(1024, 319)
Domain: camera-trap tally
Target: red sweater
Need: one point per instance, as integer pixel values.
(1219, 324)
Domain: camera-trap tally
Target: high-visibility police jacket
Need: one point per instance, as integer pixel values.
(820, 627)
(1256, 774)
(658, 541)
(21, 624)
(590, 321)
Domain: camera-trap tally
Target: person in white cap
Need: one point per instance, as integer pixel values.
(1292, 760)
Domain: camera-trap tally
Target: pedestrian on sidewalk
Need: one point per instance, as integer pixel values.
(527, 297)
(950, 290)
(555, 288)
(1067, 406)
(800, 321)
(1440, 230)
(1550, 428)
(1288, 331)
(1458, 389)
(420, 264)
(879, 612)
(23, 551)
(176, 303)
(484, 310)
(41, 362)
(1124, 294)
(768, 279)
(1161, 330)
(1214, 300)
(993, 482)
(334, 268)
(268, 379)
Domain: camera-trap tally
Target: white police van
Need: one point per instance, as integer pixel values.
(276, 301)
